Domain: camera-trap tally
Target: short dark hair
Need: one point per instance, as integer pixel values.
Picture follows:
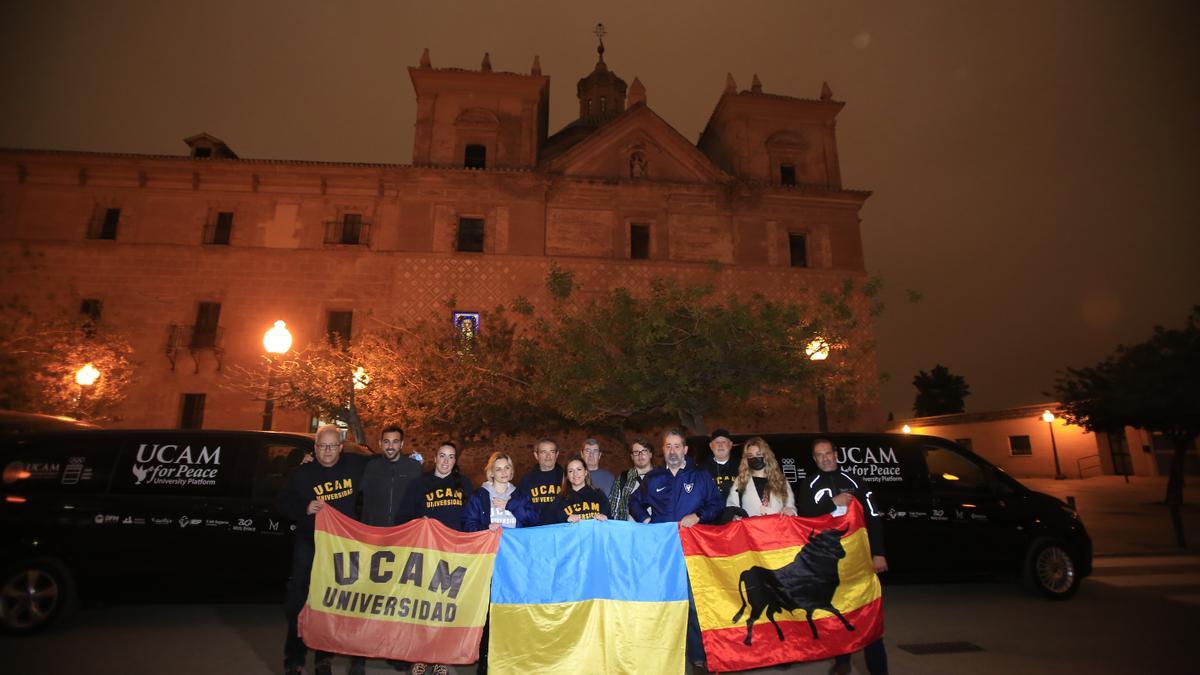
(675, 432)
(642, 441)
(392, 427)
(825, 441)
(551, 441)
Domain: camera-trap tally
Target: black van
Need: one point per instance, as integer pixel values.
(141, 513)
(947, 512)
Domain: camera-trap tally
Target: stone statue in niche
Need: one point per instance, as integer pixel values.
(637, 165)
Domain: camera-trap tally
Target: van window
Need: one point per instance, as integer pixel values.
(55, 465)
(952, 472)
(275, 462)
(176, 465)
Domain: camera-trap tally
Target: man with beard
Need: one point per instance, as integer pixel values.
(683, 493)
(642, 454)
(386, 479)
(333, 480)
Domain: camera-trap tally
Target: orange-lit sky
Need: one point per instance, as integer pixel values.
(1034, 163)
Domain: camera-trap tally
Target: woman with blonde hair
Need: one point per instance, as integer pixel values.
(498, 503)
(760, 488)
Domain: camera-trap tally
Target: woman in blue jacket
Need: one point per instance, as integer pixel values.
(498, 503)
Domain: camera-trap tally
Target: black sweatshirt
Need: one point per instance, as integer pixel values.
(338, 486)
(384, 488)
(542, 488)
(585, 503)
(443, 499)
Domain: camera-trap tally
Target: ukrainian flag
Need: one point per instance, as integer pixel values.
(589, 597)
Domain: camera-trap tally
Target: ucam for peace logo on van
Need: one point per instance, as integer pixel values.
(172, 464)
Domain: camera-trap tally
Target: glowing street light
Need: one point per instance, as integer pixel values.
(361, 379)
(906, 429)
(87, 375)
(1048, 418)
(818, 350)
(277, 341)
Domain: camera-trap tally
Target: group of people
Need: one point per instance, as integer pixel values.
(390, 489)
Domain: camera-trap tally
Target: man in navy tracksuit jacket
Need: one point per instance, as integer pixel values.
(684, 493)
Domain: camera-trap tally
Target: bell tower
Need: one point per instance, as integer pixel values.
(601, 93)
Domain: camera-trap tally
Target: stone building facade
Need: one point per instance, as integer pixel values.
(194, 257)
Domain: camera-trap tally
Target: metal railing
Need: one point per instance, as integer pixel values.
(1098, 466)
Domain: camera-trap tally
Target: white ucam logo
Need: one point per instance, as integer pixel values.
(168, 464)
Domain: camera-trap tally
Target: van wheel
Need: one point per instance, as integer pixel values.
(1050, 569)
(35, 594)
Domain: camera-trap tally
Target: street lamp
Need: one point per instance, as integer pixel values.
(906, 429)
(85, 377)
(1048, 418)
(818, 350)
(277, 341)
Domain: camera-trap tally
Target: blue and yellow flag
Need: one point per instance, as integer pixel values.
(589, 597)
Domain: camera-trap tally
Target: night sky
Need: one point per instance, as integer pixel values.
(1034, 164)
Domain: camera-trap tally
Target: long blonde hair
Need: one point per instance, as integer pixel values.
(776, 483)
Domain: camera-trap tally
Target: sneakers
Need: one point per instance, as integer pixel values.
(440, 669)
(418, 669)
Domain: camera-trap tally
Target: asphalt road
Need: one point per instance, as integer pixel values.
(1136, 616)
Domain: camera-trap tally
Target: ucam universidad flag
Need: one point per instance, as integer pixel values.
(415, 592)
(589, 597)
(778, 589)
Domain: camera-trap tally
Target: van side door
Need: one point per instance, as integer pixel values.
(979, 524)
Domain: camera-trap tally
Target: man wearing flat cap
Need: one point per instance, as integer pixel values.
(722, 465)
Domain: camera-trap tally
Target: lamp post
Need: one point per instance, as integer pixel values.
(277, 341)
(818, 350)
(1048, 418)
(85, 377)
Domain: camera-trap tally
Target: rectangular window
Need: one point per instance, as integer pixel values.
(105, 227)
(476, 157)
(470, 235)
(1019, 445)
(221, 229)
(191, 412)
(90, 308)
(964, 443)
(351, 228)
(798, 249)
(787, 174)
(639, 241)
(337, 327)
(208, 318)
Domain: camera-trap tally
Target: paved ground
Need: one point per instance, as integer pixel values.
(1127, 518)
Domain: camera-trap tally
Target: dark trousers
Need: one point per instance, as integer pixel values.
(695, 643)
(294, 649)
(876, 656)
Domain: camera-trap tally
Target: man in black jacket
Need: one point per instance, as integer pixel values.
(386, 479)
(544, 481)
(723, 466)
(333, 480)
(830, 491)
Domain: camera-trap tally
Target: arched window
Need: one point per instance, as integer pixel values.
(476, 157)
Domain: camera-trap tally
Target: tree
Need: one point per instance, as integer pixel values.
(39, 357)
(939, 392)
(1152, 386)
(679, 352)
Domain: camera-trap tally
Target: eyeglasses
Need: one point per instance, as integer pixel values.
(639, 452)
(328, 446)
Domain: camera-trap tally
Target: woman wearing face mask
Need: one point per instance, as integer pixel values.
(578, 499)
(760, 488)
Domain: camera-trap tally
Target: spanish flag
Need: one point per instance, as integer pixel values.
(589, 597)
(776, 589)
(416, 592)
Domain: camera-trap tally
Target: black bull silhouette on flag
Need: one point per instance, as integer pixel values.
(807, 583)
